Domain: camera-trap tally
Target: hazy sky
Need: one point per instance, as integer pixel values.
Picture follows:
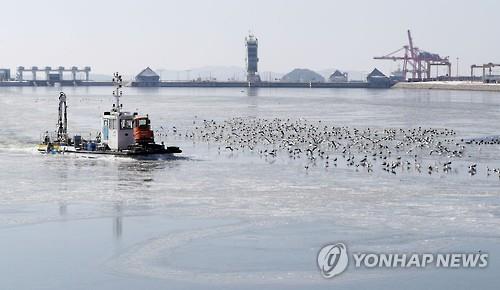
(129, 35)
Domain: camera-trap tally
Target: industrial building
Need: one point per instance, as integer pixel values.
(4, 74)
(148, 78)
(338, 77)
(377, 79)
(252, 58)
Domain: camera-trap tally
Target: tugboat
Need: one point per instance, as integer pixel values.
(122, 133)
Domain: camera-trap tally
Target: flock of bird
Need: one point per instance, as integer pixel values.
(319, 144)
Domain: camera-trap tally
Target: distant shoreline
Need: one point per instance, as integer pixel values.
(433, 85)
(207, 84)
(456, 86)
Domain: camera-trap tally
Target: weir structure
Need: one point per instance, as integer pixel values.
(53, 74)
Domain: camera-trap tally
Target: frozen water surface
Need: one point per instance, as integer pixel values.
(221, 219)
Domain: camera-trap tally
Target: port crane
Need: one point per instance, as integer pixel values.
(487, 77)
(416, 62)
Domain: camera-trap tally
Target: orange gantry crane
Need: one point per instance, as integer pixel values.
(417, 63)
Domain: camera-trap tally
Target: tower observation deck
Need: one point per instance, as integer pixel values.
(252, 44)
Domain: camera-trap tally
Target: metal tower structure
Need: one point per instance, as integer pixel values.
(417, 62)
(117, 92)
(252, 44)
(62, 121)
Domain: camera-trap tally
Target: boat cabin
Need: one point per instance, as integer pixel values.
(117, 130)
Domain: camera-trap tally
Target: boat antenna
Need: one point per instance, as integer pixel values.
(117, 93)
(62, 122)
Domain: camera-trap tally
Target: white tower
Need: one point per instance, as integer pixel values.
(252, 44)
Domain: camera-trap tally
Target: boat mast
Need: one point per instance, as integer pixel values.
(62, 122)
(117, 93)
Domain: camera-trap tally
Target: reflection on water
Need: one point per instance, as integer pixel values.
(118, 221)
(117, 217)
(252, 91)
(63, 208)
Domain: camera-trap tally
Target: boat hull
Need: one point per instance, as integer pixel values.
(140, 151)
(168, 150)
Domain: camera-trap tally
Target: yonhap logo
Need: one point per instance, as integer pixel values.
(332, 260)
